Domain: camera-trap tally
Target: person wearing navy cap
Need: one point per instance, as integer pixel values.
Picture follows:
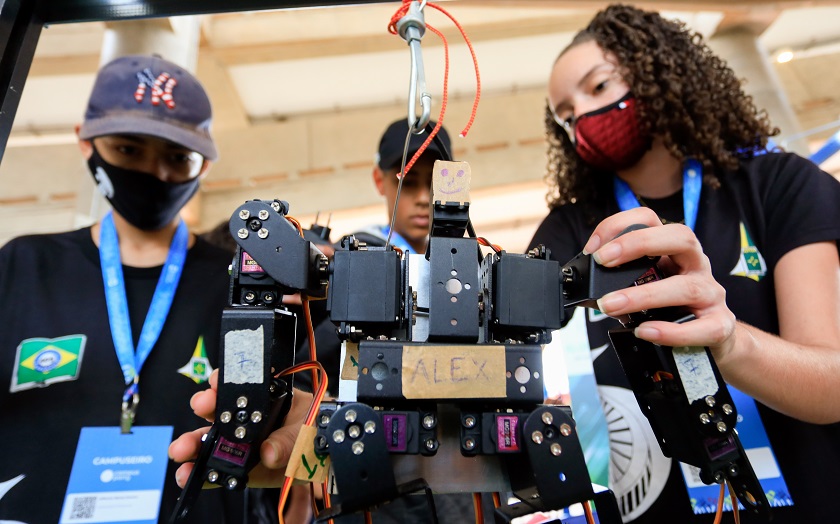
(108, 331)
(413, 212)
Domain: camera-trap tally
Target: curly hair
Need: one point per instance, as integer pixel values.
(687, 96)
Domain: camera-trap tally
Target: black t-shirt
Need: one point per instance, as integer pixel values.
(52, 289)
(773, 204)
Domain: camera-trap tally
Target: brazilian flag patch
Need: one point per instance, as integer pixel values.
(43, 361)
(198, 368)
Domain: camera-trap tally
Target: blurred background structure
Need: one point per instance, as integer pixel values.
(302, 95)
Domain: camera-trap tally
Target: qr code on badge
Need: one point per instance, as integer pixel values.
(83, 508)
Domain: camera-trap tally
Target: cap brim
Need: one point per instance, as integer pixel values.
(395, 162)
(139, 125)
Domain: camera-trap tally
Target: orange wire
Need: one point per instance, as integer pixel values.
(313, 354)
(484, 242)
(719, 512)
(587, 510)
(497, 500)
(479, 512)
(310, 417)
(734, 500)
(295, 222)
(368, 519)
(392, 28)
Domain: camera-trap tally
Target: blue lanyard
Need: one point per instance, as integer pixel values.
(131, 361)
(692, 184)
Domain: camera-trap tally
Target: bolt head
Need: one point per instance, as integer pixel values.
(704, 418)
(232, 483)
(350, 416)
(710, 401)
(263, 214)
(242, 233)
(537, 437)
(358, 448)
(256, 417)
(727, 409)
(469, 422)
(565, 430)
(354, 431)
(547, 418)
(244, 214)
(469, 444)
(721, 426)
(225, 417)
(556, 449)
(212, 476)
(242, 402)
(338, 436)
(262, 233)
(370, 427)
(429, 421)
(240, 432)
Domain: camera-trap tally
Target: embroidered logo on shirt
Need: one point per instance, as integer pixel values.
(198, 368)
(750, 263)
(42, 361)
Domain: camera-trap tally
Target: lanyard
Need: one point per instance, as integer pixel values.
(131, 360)
(692, 183)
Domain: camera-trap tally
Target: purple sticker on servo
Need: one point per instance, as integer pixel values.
(395, 426)
(231, 451)
(719, 447)
(506, 433)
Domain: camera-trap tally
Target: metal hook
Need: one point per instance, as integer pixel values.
(411, 28)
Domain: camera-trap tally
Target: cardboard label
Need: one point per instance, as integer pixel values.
(304, 463)
(453, 372)
(451, 181)
(350, 366)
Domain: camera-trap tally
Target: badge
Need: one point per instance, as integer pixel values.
(117, 477)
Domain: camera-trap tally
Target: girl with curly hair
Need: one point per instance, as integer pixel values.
(646, 125)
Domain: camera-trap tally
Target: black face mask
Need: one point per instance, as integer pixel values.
(145, 201)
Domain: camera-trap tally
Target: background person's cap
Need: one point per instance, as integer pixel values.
(147, 95)
(393, 141)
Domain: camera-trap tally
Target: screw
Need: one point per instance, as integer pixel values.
(262, 233)
(547, 418)
(263, 214)
(354, 431)
(370, 427)
(719, 477)
(727, 409)
(733, 470)
(256, 416)
(241, 416)
(358, 448)
(250, 296)
(565, 430)
(350, 416)
(242, 402)
(275, 206)
(704, 418)
(537, 437)
(431, 444)
(244, 214)
(325, 419)
(469, 443)
(710, 401)
(429, 421)
(556, 449)
(240, 432)
(469, 421)
(242, 233)
(212, 476)
(232, 482)
(721, 426)
(225, 417)
(338, 436)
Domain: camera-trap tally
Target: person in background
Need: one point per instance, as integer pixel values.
(412, 216)
(109, 330)
(647, 126)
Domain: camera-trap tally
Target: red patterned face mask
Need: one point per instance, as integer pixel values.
(610, 138)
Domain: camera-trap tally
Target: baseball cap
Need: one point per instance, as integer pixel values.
(147, 95)
(393, 141)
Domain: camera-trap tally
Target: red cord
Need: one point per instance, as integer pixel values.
(392, 28)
